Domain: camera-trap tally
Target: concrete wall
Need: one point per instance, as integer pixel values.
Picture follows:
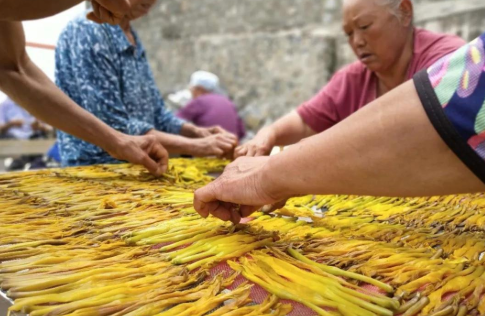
(271, 55)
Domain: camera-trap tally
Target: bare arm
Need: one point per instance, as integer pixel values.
(287, 130)
(29, 87)
(104, 11)
(19, 10)
(389, 148)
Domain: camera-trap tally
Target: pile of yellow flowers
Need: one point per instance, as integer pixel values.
(114, 240)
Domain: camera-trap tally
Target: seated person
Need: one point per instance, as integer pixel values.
(208, 108)
(390, 51)
(104, 69)
(17, 123)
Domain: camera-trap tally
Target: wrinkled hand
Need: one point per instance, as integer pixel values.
(216, 130)
(215, 145)
(270, 208)
(109, 11)
(202, 132)
(142, 150)
(261, 145)
(238, 192)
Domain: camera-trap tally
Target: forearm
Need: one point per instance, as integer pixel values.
(20, 10)
(29, 87)
(189, 130)
(389, 148)
(174, 144)
(287, 130)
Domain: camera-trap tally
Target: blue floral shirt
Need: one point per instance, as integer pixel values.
(104, 73)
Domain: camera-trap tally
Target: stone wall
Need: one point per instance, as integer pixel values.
(271, 55)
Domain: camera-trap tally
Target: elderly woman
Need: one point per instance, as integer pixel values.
(390, 51)
(104, 69)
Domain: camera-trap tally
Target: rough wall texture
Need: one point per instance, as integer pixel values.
(271, 55)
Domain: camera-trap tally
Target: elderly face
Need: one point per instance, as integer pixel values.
(140, 8)
(376, 35)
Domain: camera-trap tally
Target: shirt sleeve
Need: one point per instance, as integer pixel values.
(166, 121)
(320, 112)
(452, 92)
(442, 47)
(96, 77)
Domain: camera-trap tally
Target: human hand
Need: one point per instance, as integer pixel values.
(15, 123)
(261, 145)
(109, 11)
(219, 145)
(142, 150)
(241, 190)
(216, 130)
(192, 131)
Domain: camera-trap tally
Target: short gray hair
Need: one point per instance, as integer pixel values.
(393, 6)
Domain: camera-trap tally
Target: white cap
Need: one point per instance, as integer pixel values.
(204, 79)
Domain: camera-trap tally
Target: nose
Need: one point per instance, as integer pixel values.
(358, 40)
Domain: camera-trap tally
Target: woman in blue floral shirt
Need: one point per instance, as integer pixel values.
(104, 69)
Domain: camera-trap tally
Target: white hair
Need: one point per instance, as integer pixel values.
(393, 6)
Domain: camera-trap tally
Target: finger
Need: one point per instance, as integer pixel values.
(149, 164)
(232, 138)
(246, 210)
(225, 146)
(240, 151)
(235, 216)
(261, 152)
(217, 130)
(92, 17)
(205, 200)
(160, 155)
(218, 152)
(222, 211)
(251, 152)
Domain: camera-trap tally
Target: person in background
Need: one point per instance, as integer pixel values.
(29, 87)
(424, 138)
(104, 68)
(209, 108)
(390, 50)
(17, 123)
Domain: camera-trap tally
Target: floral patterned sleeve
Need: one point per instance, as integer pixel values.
(452, 92)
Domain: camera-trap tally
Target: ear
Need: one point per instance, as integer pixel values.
(407, 12)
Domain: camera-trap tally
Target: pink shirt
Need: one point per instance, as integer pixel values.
(354, 86)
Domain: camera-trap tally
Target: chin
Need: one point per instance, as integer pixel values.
(374, 66)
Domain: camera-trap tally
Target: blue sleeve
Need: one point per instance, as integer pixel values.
(94, 71)
(166, 121)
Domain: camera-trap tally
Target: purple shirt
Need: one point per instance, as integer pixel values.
(355, 86)
(214, 110)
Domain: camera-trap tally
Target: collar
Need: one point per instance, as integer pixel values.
(121, 42)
